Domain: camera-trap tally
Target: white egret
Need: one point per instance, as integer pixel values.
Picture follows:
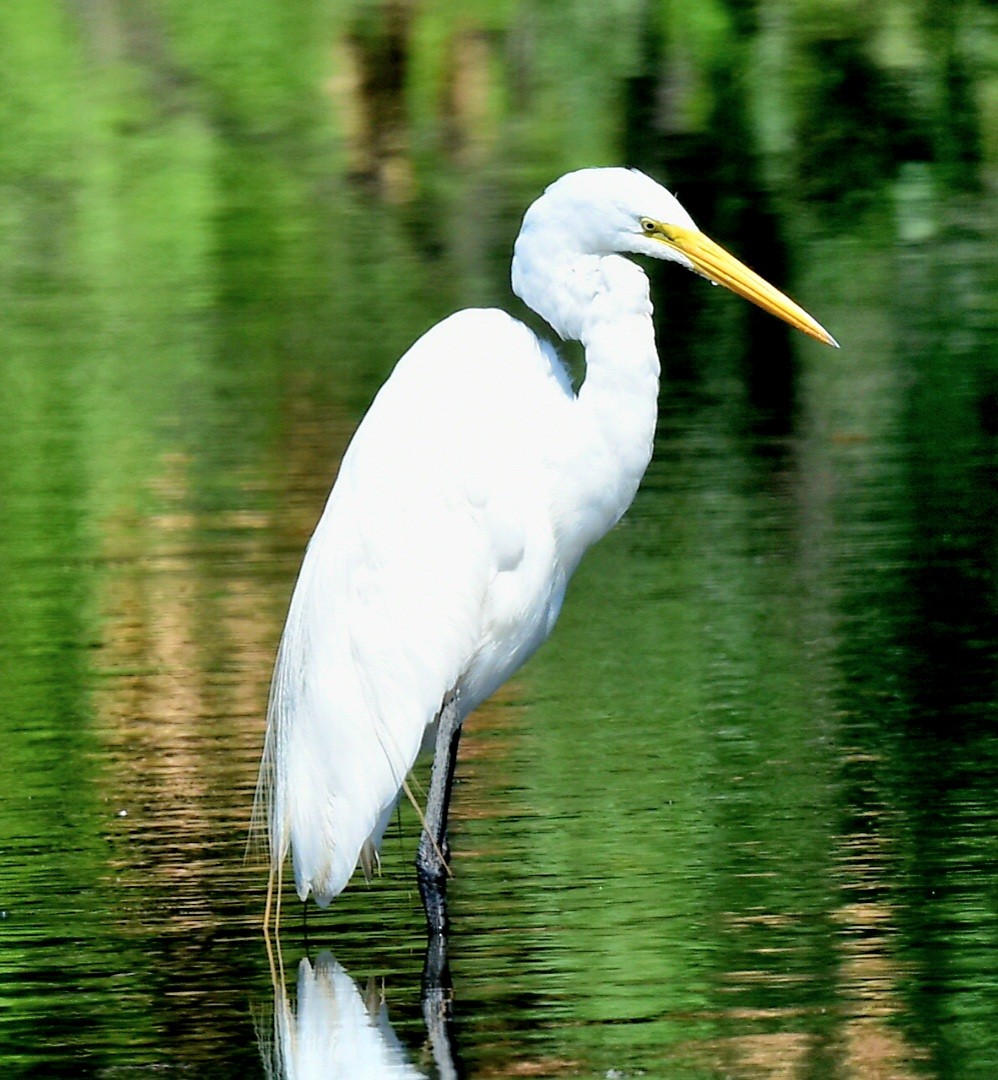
(463, 505)
(334, 1033)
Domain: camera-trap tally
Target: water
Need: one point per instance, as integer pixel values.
(737, 819)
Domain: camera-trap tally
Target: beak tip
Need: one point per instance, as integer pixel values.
(817, 331)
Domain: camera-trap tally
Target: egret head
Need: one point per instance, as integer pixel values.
(601, 212)
(616, 210)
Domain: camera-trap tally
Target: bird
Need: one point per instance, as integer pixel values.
(466, 498)
(336, 1031)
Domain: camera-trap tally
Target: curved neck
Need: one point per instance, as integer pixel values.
(616, 407)
(556, 280)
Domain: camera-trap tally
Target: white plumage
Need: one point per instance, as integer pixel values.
(467, 496)
(334, 1034)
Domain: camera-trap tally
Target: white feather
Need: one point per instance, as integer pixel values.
(467, 497)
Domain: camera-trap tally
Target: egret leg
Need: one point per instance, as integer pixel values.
(431, 858)
(438, 1008)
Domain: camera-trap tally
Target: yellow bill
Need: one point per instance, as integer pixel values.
(713, 262)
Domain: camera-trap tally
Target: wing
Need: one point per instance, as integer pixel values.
(431, 569)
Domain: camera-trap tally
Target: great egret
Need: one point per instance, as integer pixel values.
(335, 1032)
(463, 505)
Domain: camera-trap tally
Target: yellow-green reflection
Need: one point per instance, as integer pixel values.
(735, 820)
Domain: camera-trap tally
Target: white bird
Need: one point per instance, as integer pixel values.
(335, 1033)
(467, 497)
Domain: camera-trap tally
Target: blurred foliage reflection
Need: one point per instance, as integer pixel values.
(737, 819)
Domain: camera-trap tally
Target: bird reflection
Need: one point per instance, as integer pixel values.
(336, 1031)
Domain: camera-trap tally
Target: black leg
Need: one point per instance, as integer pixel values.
(438, 1008)
(431, 858)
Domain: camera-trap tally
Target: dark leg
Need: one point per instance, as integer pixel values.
(431, 858)
(438, 999)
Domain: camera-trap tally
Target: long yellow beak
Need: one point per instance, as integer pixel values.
(713, 262)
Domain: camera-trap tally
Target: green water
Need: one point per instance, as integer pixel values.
(738, 817)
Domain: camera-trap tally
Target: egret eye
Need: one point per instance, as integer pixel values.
(648, 225)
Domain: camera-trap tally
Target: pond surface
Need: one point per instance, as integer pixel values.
(738, 817)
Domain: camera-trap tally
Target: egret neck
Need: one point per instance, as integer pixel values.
(603, 301)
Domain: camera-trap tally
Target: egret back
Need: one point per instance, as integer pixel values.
(433, 568)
